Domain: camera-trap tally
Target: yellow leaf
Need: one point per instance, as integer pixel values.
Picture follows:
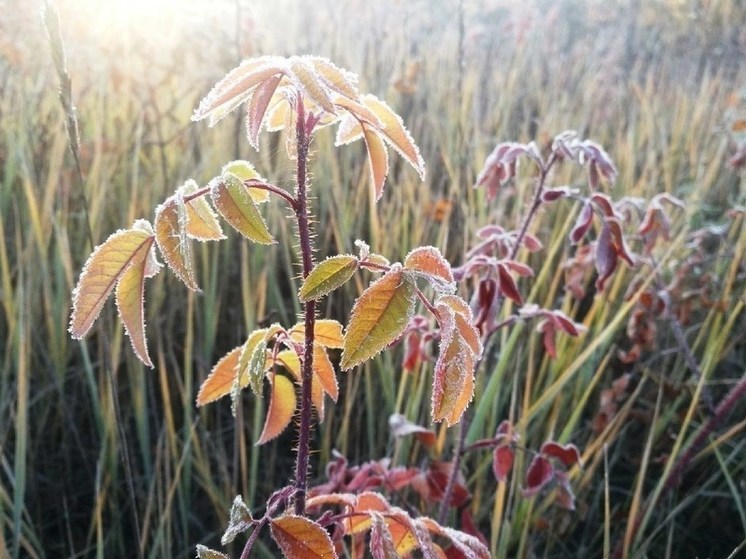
(246, 172)
(235, 204)
(291, 361)
(237, 86)
(393, 130)
(359, 519)
(281, 408)
(129, 297)
(170, 234)
(103, 268)
(358, 112)
(378, 160)
(326, 332)
(339, 80)
(307, 80)
(202, 223)
(220, 381)
(379, 316)
(301, 538)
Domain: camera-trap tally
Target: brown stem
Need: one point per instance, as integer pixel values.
(458, 450)
(309, 313)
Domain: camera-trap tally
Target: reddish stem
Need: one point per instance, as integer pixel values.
(304, 232)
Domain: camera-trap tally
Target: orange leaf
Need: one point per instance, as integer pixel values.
(359, 519)
(301, 538)
(324, 371)
(220, 380)
(379, 316)
(129, 297)
(429, 261)
(170, 234)
(102, 270)
(378, 160)
(395, 133)
(327, 333)
(281, 408)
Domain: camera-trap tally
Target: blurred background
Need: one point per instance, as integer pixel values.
(661, 84)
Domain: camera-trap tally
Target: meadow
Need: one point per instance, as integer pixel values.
(97, 450)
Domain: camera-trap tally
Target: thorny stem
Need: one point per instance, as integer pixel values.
(304, 232)
(676, 473)
(283, 495)
(458, 450)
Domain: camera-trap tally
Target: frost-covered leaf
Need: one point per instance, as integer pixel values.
(100, 273)
(130, 301)
(220, 381)
(236, 205)
(502, 462)
(240, 521)
(201, 221)
(324, 371)
(306, 79)
(327, 276)
(359, 517)
(301, 538)
(207, 553)
(394, 132)
(381, 544)
(256, 108)
(378, 160)
(453, 378)
(172, 239)
(292, 362)
(401, 427)
(246, 172)
(429, 261)
(237, 86)
(507, 284)
(349, 130)
(379, 316)
(251, 362)
(326, 332)
(337, 79)
(568, 454)
(540, 472)
(281, 408)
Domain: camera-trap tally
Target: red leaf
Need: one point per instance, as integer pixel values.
(400, 427)
(540, 472)
(606, 257)
(568, 454)
(468, 526)
(502, 462)
(582, 223)
(507, 284)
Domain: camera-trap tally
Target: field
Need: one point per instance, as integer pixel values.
(103, 457)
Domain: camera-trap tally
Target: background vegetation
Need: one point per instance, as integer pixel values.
(658, 83)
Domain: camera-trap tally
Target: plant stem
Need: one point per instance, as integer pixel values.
(304, 232)
(458, 450)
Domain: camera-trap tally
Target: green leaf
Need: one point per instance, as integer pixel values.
(240, 521)
(246, 172)
(379, 316)
(328, 276)
(251, 363)
(236, 205)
